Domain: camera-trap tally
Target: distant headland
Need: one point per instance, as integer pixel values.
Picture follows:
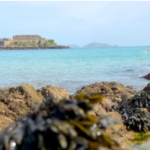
(94, 45)
(97, 45)
(29, 42)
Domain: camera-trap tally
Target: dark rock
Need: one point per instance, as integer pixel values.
(136, 111)
(34, 47)
(147, 88)
(146, 76)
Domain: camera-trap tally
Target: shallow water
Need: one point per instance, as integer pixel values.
(144, 146)
(74, 68)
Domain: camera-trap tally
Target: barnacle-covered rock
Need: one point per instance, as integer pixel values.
(112, 92)
(56, 93)
(18, 101)
(28, 92)
(67, 125)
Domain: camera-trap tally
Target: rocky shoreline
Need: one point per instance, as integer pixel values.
(34, 47)
(120, 103)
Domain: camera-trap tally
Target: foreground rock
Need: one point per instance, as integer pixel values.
(146, 76)
(17, 101)
(66, 125)
(56, 94)
(113, 94)
(4, 122)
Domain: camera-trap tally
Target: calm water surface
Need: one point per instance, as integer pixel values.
(74, 68)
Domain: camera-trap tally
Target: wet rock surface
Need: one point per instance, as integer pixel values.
(146, 76)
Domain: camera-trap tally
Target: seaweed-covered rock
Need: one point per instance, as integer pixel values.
(147, 88)
(112, 91)
(136, 119)
(136, 111)
(66, 125)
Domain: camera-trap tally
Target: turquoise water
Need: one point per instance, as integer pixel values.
(73, 68)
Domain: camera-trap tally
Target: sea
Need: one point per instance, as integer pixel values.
(72, 69)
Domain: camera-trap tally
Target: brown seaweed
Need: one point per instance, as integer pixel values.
(136, 112)
(65, 126)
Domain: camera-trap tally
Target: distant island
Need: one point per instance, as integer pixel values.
(29, 42)
(93, 45)
(96, 45)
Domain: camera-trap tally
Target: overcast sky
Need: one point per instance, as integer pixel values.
(79, 23)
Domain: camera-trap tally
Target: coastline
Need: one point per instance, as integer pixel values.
(31, 47)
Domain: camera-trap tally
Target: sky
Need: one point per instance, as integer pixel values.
(79, 22)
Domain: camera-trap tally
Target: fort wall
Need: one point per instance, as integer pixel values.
(4, 42)
(27, 38)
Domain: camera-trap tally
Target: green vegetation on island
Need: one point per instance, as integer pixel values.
(29, 42)
(23, 44)
(34, 44)
(48, 43)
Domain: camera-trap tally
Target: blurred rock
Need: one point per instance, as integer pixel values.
(55, 93)
(146, 76)
(112, 91)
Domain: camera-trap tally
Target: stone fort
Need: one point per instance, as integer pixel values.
(21, 38)
(27, 38)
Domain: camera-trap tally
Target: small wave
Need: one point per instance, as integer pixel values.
(147, 67)
(129, 70)
(2, 87)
